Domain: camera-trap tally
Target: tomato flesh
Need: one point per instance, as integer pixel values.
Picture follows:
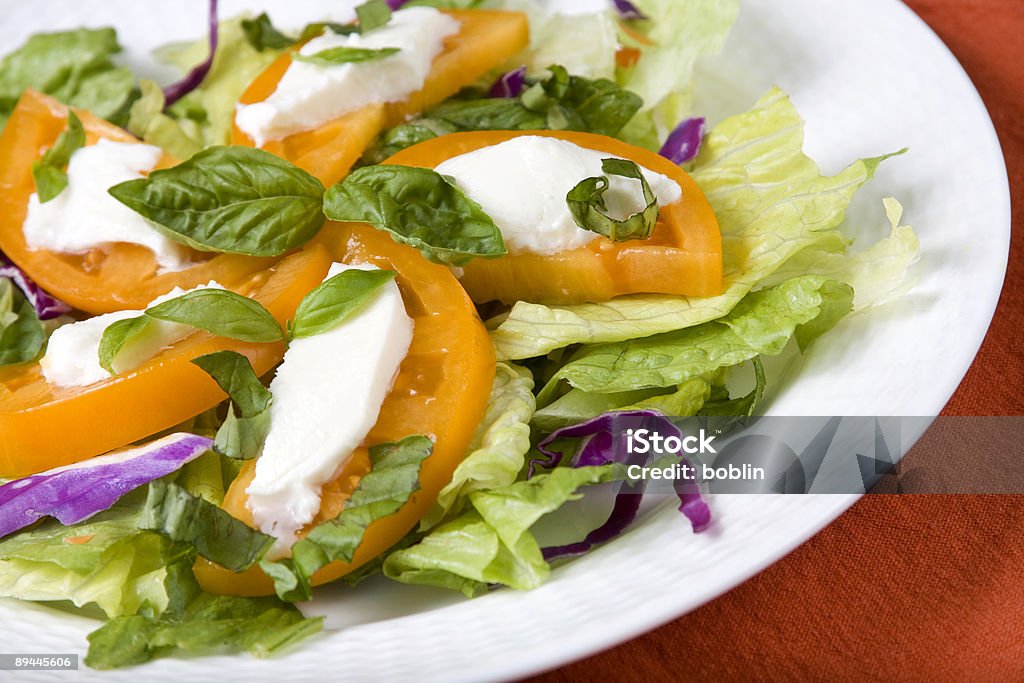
(441, 391)
(116, 277)
(486, 39)
(683, 256)
(43, 426)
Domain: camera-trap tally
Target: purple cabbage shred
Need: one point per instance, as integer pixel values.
(396, 4)
(47, 307)
(194, 78)
(683, 143)
(627, 10)
(510, 84)
(603, 443)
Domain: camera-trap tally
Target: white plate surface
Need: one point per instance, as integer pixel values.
(870, 78)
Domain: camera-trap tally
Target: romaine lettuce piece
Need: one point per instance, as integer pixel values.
(771, 202)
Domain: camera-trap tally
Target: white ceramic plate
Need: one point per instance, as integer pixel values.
(870, 78)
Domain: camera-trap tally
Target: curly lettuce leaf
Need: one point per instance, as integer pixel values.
(498, 450)
(73, 66)
(491, 543)
(761, 324)
(105, 562)
(771, 202)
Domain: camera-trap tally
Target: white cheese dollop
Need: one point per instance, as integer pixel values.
(310, 95)
(327, 395)
(522, 183)
(72, 353)
(85, 217)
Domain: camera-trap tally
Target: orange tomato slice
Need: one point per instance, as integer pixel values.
(43, 426)
(442, 390)
(115, 278)
(486, 39)
(683, 256)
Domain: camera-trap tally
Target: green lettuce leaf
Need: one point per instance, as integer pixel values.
(585, 44)
(260, 626)
(106, 562)
(147, 120)
(206, 114)
(761, 324)
(771, 202)
(73, 66)
(498, 450)
(491, 542)
(681, 32)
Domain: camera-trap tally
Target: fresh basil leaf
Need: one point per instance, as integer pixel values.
(21, 333)
(395, 140)
(334, 56)
(73, 66)
(49, 172)
(391, 481)
(242, 435)
(262, 35)
(216, 535)
(260, 626)
(317, 28)
(230, 199)
(221, 312)
(117, 336)
(336, 299)
(588, 209)
(418, 207)
(372, 15)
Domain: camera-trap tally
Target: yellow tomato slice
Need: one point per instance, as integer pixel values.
(683, 255)
(486, 39)
(115, 278)
(43, 426)
(441, 391)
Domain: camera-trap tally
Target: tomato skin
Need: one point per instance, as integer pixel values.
(115, 278)
(441, 392)
(485, 41)
(42, 426)
(683, 256)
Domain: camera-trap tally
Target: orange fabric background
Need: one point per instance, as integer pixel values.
(912, 588)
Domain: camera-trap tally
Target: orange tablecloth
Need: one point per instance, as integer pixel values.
(915, 588)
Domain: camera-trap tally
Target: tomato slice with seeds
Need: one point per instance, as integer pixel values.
(486, 40)
(683, 256)
(116, 277)
(441, 391)
(43, 426)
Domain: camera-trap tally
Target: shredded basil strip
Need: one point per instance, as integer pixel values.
(247, 423)
(21, 333)
(336, 299)
(418, 207)
(391, 481)
(334, 56)
(117, 336)
(49, 172)
(175, 513)
(262, 35)
(230, 199)
(588, 209)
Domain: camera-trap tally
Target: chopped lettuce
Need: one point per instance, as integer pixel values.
(491, 543)
(205, 115)
(771, 202)
(106, 562)
(73, 66)
(680, 32)
(498, 451)
(762, 323)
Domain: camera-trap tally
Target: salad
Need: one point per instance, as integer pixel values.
(373, 295)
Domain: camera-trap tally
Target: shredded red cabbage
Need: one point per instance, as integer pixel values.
(604, 442)
(683, 143)
(510, 84)
(396, 4)
(47, 307)
(192, 80)
(627, 10)
(75, 493)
